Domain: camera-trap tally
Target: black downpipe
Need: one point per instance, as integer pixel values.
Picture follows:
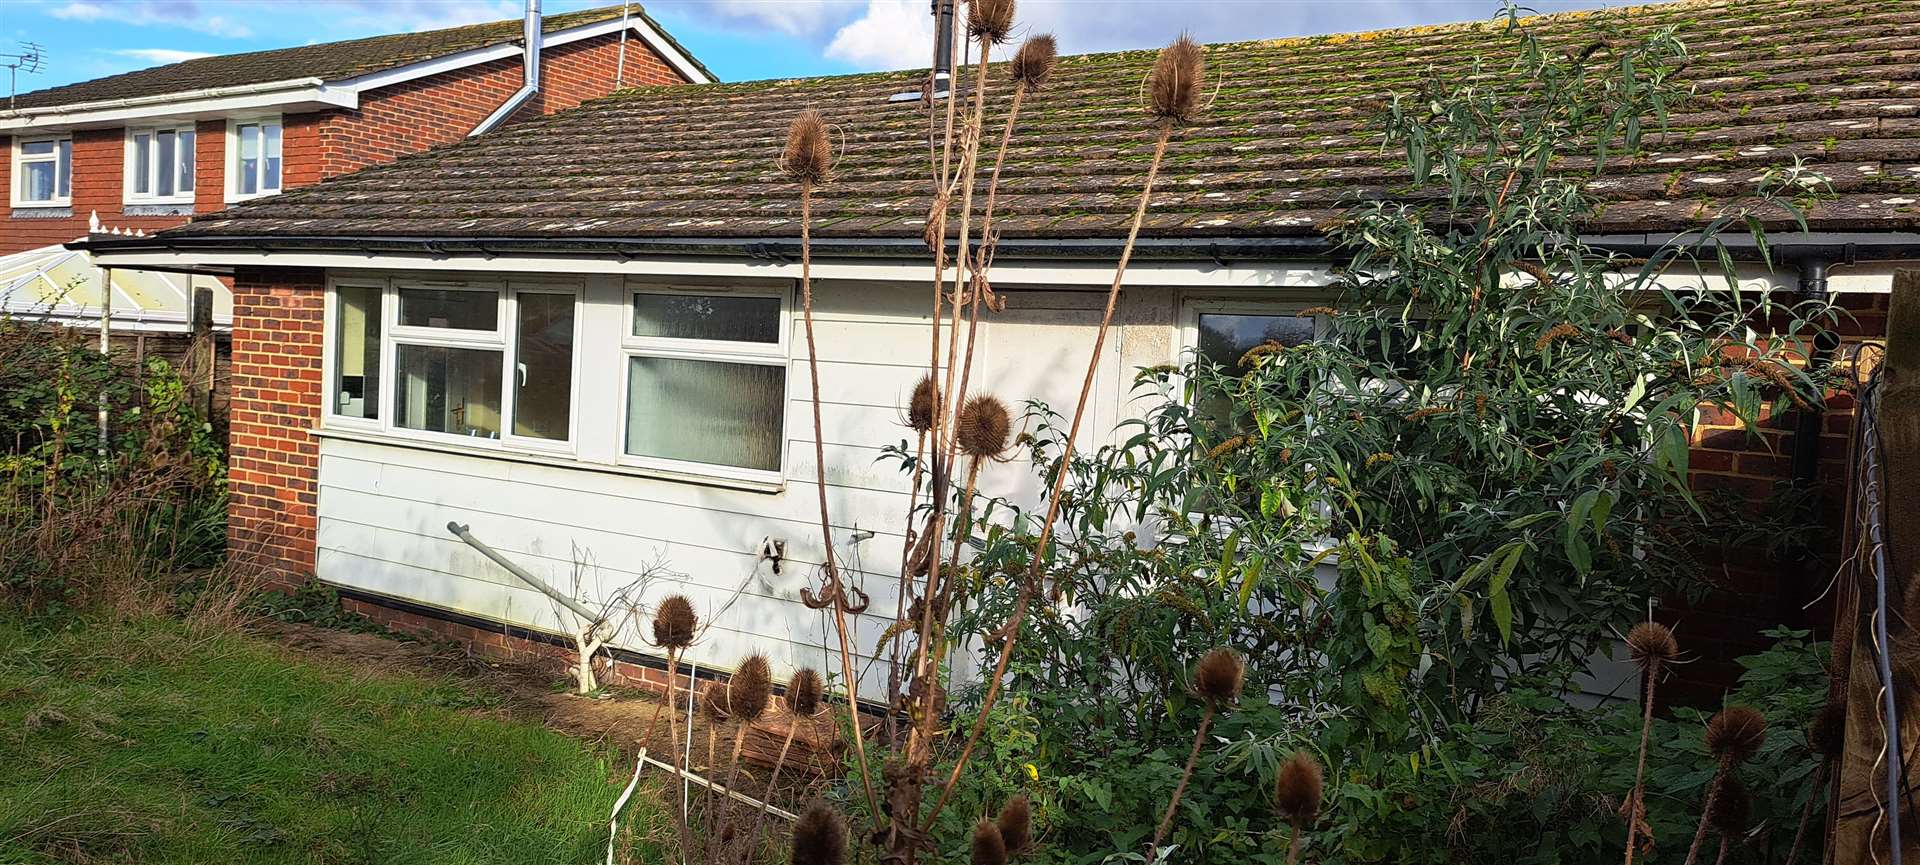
(1806, 438)
(942, 42)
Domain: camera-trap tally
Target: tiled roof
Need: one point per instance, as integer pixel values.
(1286, 142)
(330, 61)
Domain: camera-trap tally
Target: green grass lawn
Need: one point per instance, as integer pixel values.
(140, 743)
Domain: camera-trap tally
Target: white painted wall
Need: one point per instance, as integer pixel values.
(384, 505)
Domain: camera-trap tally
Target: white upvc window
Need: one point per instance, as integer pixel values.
(42, 172)
(160, 165)
(482, 362)
(706, 380)
(253, 158)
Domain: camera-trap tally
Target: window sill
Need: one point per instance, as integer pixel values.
(236, 198)
(157, 208)
(42, 211)
(556, 461)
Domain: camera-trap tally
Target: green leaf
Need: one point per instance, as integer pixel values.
(1497, 600)
(1256, 566)
(1602, 508)
(1634, 395)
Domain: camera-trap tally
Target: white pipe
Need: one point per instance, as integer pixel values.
(620, 66)
(530, 62)
(106, 347)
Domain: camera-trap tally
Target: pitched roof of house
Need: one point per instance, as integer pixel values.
(328, 61)
(1286, 142)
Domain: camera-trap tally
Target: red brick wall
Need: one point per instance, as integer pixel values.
(389, 123)
(273, 458)
(414, 116)
(1754, 589)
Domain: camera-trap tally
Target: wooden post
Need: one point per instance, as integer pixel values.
(1865, 821)
(202, 346)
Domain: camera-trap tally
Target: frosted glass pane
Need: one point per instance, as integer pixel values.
(449, 308)
(1225, 338)
(66, 167)
(706, 316)
(36, 181)
(450, 390)
(356, 358)
(543, 358)
(271, 181)
(706, 411)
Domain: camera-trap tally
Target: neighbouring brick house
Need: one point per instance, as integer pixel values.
(626, 431)
(147, 150)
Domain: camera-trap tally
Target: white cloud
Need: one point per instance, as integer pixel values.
(893, 34)
(162, 55)
(186, 14)
(791, 17)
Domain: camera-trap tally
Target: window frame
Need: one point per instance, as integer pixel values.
(131, 172)
(230, 167)
(777, 353)
(503, 338)
(16, 189)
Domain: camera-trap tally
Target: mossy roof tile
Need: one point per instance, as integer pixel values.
(1833, 82)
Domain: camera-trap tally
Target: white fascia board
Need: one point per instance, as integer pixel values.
(292, 96)
(1087, 274)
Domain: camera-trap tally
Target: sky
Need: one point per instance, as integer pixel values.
(739, 39)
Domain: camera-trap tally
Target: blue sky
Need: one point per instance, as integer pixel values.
(739, 39)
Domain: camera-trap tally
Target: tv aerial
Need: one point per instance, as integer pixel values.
(31, 58)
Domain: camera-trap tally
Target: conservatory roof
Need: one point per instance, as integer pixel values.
(63, 285)
(1286, 143)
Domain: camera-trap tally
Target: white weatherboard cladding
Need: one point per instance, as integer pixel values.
(383, 507)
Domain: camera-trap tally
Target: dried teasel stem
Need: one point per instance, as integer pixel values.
(747, 695)
(713, 701)
(1217, 680)
(803, 701)
(1011, 630)
(1652, 646)
(1734, 735)
(807, 160)
(1827, 738)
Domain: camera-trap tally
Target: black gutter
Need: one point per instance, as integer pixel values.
(1826, 341)
(1219, 250)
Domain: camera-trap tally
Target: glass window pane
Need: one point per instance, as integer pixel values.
(249, 159)
(450, 308)
(543, 366)
(36, 181)
(706, 411)
(163, 165)
(1225, 338)
(142, 163)
(356, 352)
(186, 160)
(449, 390)
(66, 167)
(704, 316)
(271, 181)
(36, 148)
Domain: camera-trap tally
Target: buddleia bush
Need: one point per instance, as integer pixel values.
(1421, 522)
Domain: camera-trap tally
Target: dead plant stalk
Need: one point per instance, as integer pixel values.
(1011, 631)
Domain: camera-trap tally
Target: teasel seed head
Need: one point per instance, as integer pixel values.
(984, 427)
(1218, 676)
(674, 623)
(804, 691)
(988, 847)
(750, 688)
(1735, 734)
(1033, 64)
(1652, 643)
(1016, 824)
(819, 837)
(990, 20)
(1732, 807)
(1297, 789)
(1174, 85)
(920, 407)
(713, 702)
(808, 157)
(1827, 735)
